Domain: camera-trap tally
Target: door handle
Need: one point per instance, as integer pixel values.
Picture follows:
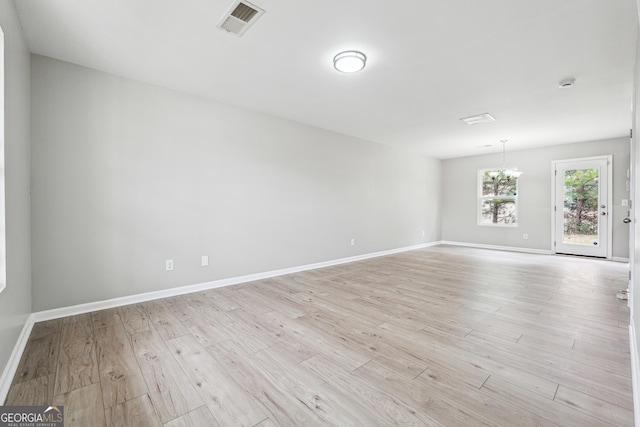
(603, 213)
(626, 220)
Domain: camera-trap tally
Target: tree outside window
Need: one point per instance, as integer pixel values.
(498, 198)
(581, 206)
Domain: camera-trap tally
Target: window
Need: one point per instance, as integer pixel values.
(497, 197)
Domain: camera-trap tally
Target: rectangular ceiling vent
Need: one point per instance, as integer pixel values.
(240, 17)
(480, 118)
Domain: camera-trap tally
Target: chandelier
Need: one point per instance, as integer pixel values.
(506, 173)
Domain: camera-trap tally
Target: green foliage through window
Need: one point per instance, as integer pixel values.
(581, 202)
(498, 198)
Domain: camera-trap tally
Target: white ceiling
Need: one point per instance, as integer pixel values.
(430, 63)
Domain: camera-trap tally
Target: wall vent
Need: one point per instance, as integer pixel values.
(240, 16)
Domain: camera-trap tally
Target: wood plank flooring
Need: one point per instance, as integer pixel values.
(443, 336)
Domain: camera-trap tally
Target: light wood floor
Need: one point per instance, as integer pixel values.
(441, 336)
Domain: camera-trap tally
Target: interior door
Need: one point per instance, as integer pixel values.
(582, 224)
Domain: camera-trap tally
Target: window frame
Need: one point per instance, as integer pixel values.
(481, 199)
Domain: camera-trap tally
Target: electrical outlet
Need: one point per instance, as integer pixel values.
(525, 236)
(169, 264)
(353, 242)
(205, 260)
(423, 233)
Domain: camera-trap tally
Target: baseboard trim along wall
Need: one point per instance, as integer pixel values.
(619, 259)
(12, 366)
(14, 359)
(635, 371)
(515, 249)
(499, 248)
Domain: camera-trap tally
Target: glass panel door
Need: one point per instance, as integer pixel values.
(581, 207)
(580, 210)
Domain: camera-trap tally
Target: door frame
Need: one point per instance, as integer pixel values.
(631, 211)
(609, 159)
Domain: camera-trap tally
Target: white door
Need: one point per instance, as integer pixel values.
(630, 219)
(582, 224)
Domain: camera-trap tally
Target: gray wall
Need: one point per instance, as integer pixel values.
(459, 195)
(15, 299)
(126, 175)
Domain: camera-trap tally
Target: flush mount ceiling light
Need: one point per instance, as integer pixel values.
(566, 83)
(480, 118)
(350, 61)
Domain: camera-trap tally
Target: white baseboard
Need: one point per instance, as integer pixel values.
(619, 259)
(514, 249)
(499, 248)
(14, 360)
(148, 296)
(635, 372)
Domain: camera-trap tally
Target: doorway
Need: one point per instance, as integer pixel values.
(582, 198)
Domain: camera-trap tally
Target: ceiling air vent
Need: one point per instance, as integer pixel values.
(240, 17)
(480, 118)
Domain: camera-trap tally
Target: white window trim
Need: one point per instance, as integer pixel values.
(482, 198)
